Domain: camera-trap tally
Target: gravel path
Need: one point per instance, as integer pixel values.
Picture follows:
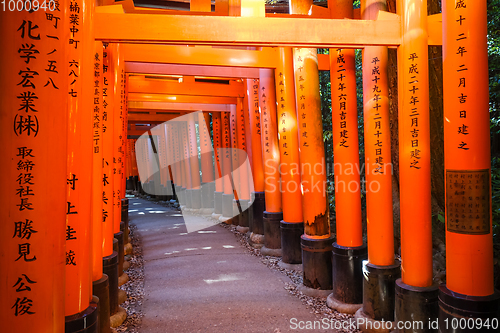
(147, 285)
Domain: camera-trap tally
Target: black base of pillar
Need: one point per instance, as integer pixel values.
(317, 262)
(236, 212)
(124, 229)
(161, 191)
(347, 273)
(244, 218)
(207, 195)
(125, 209)
(257, 213)
(130, 184)
(291, 250)
(227, 205)
(272, 233)
(135, 181)
(172, 187)
(167, 192)
(379, 290)
(218, 202)
(458, 312)
(110, 268)
(83, 322)
(195, 195)
(418, 305)
(100, 288)
(120, 248)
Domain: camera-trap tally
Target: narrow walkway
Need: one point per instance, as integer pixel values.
(205, 281)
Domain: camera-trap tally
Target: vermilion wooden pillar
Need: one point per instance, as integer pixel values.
(348, 250)
(244, 171)
(154, 186)
(158, 134)
(271, 160)
(292, 226)
(217, 141)
(133, 164)
(110, 257)
(258, 196)
(171, 159)
(469, 290)
(180, 188)
(164, 162)
(124, 161)
(33, 136)
(118, 80)
(317, 240)
(381, 271)
(100, 282)
(235, 163)
(78, 213)
(117, 67)
(228, 196)
(207, 163)
(195, 192)
(188, 183)
(416, 296)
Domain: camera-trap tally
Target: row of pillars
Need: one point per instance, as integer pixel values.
(64, 211)
(63, 110)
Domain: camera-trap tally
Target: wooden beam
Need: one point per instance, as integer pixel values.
(199, 55)
(247, 31)
(154, 86)
(178, 106)
(148, 118)
(180, 99)
(175, 69)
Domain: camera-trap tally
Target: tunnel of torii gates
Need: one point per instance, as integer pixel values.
(81, 81)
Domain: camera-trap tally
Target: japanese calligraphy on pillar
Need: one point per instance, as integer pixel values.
(234, 138)
(75, 133)
(225, 134)
(282, 123)
(74, 23)
(37, 49)
(342, 100)
(266, 120)
(217, 142)
(206, 133)
(301, 99)
(97, 103)
(461, 47)
(376, 95)
(467, 191)
(468, 201)
(241, 125)
(414, 114)
(122, 136)
(107, 133)
(256, 109)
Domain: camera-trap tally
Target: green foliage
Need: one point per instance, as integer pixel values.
(494, 64)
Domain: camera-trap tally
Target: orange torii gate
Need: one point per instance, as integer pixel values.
(469, 281)
(387, 30)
